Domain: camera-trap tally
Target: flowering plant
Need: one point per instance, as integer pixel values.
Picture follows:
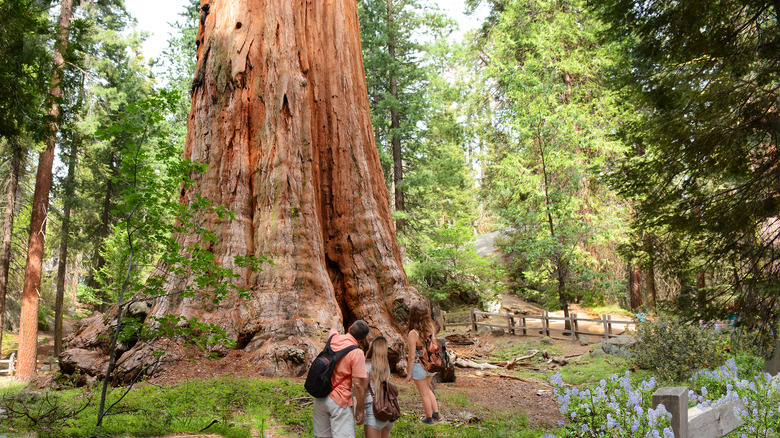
(614, 408)
(760, 396)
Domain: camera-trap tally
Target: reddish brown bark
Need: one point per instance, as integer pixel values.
(28, 324)
(280, 115)
(635, 287)
(8, 226)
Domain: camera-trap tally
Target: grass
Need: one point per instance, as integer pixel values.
(226, 406)
(10, 343)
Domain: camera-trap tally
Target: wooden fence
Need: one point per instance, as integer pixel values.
(519, 324)
(711, 422)
(8, 366)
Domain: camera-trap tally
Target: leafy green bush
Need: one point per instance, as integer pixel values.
(450, 271)
(676, 349)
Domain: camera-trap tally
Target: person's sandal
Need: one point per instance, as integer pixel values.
(428, 421)
(436, 417)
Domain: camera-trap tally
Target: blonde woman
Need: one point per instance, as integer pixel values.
(420, 327)
(378, 370)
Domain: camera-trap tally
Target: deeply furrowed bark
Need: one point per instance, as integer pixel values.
(280, 114)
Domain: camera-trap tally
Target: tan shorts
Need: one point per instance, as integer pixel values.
(331, 420)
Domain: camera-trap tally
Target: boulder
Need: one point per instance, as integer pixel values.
(11, 316)
(620, 346)
(89, 362)
(90, 332)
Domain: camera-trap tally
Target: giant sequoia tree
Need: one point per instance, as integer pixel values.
(280, 115)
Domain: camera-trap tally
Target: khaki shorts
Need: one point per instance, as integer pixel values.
(331, 420)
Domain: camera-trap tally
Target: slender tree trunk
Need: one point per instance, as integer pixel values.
(650, 289)
(395, 123)
(8, 226)
(635, 287)
(561, 266)
(567, 83)
(73, 287)
(280, 114)
(28, 325)
(63, 259)
(98, 260)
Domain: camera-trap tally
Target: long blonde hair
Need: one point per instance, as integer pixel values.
(377, 356)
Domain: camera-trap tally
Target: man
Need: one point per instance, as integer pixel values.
(333, 415)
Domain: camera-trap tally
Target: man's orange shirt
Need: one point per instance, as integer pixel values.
(349, 366)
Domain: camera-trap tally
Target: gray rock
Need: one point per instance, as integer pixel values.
(139, 309)
(597, 353)
(497, 332)
(620, 346)
(547, 341)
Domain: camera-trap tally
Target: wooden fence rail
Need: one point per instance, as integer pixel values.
(519, 324)
(711, 422)
(8, 366)
(9, 369)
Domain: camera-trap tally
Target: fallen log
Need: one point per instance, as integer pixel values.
(459, 339)
(463, 363)
(517, 361)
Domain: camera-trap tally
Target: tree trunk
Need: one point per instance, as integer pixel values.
(63, 259)
(8, 227)
(280, 114)
(650, 289)
(561, 269)
(28, 324)
(635, 287)
(99, 260)
(395, 123)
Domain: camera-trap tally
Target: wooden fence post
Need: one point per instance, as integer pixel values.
(545, 324)
(510, 321)
(11, 362)
(606, 327)
(473, 321)
(523, 321)
(675, 400)
(609, 326)
(574, 326)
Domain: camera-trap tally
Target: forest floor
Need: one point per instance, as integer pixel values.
(475, 394)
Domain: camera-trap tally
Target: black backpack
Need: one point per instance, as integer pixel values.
(318, 380)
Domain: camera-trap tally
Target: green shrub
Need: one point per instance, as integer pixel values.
(676, 349)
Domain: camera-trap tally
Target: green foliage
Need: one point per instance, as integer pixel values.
(676, 349)
(712, 385)
(701, 175)
(452, 272)
(45, 316)
(24, 66)
(227, 406)
(543, 172)
(614, 408)
(150, 176)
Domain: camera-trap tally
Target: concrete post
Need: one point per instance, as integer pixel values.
(675, 400)
(772, 366)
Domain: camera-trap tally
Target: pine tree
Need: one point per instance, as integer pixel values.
(703, 170)
(544, 174)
